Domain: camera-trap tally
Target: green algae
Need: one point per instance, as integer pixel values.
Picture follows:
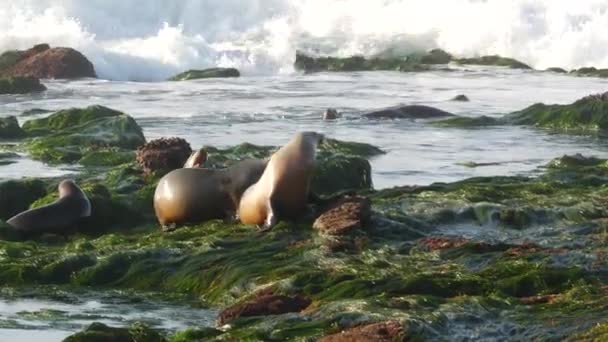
(17, 195)
(206, 73)
(469, 122)
(8, 59)
(355, 63)
(20, 85)
(494, 60)
(9, 128)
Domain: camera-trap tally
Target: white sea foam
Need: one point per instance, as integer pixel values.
(153, 39)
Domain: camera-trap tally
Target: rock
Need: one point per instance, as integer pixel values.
(17, 195)
(588, 114)
(341, 172)
(8, 59)
(68, 135)
(330, 114)
(310, 64)
(436, 56)
(99, 332)
(556, 70)
(460, 98)
(20, 85)
(412, 112)
(265, 305)
(51, 63)
(467, 122)
(376, 332)
(343, 216)
(591, 72)
(206, 73)
(9, 128)
(494, 60)
(163, 155)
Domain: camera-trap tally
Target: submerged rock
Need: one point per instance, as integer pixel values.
(343, 216)
(20, 85)
(412, 112)
(590, 72)
(494, 60)
(206, 73)
(388, 331)
(9, 128)
(557, 70)
(310, 64)
(264, 305)
(163, 155)
(69, 135)
(99, 332)
(461, 98)
(45, 62)
(17, 195)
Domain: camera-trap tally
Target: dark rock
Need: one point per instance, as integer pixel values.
(20, 85)
(99, 332)
(339, 172)
(9, 128)
(494, 60)
(469, 122)
(436, 56)
(264, 305)
(17, 195)
(461, 98)
(388, 331)
(330, 114)
(590, 72)
(411, 112)
(310, 64)
(163, 155)
(557, 70)
(206, 73)
(43, 62)
(343, 216)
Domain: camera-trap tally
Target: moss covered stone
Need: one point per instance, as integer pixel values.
(310, 64)
(206, 73)
(8, 59)
(466, 122)
(590, 72)
(9, 128)
(494, 60)
(99, 332)
(17, 195)
(20, 85)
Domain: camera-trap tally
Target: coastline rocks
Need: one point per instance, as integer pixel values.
(470, 122)
(309, 64)
(340, 173)
(411, 112)
(17, 195)
(588, 114)
(163, 155)
(45, 62)
(265, 305)
(20, 85)
(376, 332)
(68, 135)
(100, 332)
(557, 70)
(9, 128)
(206, 73)
(493, 60)
(343, 216)
(460, 98)
(590, 72)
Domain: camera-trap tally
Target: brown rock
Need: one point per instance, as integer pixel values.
(44, 62)
(377, 332)
(163, 155)
(264, 305)
(345, 215)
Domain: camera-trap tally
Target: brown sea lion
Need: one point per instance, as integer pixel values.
(194, 195)
(56, 217)
(196, 159)
(283, 188)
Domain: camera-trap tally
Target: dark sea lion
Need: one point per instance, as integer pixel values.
(283, 189)
(57, 217)
(194, 195)
(412, 112)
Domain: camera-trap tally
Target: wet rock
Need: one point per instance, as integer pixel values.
(163, 155)
(469, 122)
(590, 72)
(17, 195)
(44, 62)
(341, 173)
(556, 70)
(343, 216)
(437, 243)
(376, 332)
(310, 64)
(460, 98)
(494, 60)
(412, 112)
(20, 85)
(436, 56)
(9, 128)
(588, 114)
(330, 114)
(574, 161)
(99, 332)
(206, 73)
(69, 135)
(264, 305)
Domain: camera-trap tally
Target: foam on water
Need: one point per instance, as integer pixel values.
(153, 39)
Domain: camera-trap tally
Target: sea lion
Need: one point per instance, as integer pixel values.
(194, 195)
(71, 206)
(330, 114)
(283, 188)
(196, 159)
(412, 112)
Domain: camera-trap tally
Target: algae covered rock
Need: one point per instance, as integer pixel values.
(375, 332)
(590, 72)
(494, 60)
(17, 195)
(557, 70)
(163, 155)
(341, 172)
(469, 122)
(411, 112)
(206, 73)
(9, 128)
(20, 85)
(68, 135)
(99, 332)
(264, 305)
(460, 98)
(586, 115)
(310, 64)
(343, 216)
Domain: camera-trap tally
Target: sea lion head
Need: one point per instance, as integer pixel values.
(196, 159)
(312, 139)
(67, 187)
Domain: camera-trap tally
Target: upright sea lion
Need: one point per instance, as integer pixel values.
(56, 217)
(194, 195)
(283, 188)
(196, 159)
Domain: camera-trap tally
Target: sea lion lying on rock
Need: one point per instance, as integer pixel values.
(283, 189)
(57, 217)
